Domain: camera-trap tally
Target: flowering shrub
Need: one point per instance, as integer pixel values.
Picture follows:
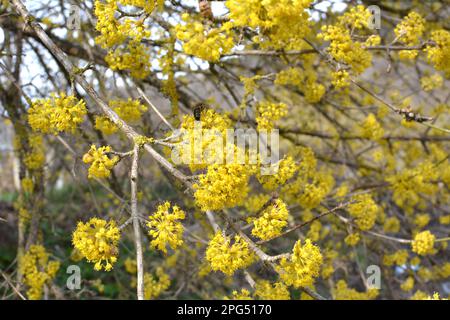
(241, 149)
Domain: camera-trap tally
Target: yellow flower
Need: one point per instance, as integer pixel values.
(268, 113)
(409, 32)
(271, 220)
(302, 267)
(264, 290)
(343, 292)
(37, 270)
(57, 114)
(105, 125)
(129, 110)
(244, 294)
(97, 240)
(439, 54)
(165, 228)
(155, 285)
(432, 82)
(205, 42)
(101, 164)
(352, 239)
(227, 257)
(423, 243)
(408, 284)
(371, 128)
(364, 211)
(130, 266)
(223, 186)
(392, 224)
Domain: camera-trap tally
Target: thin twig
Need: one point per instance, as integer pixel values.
(136, 225)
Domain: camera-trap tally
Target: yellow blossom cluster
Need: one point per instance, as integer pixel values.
(226, 256)
(37, 270)
(97, 240)
(204, 142)
(408, 184)
(420, 295)
(165, 229)
(282, 24)
(56, 114)
(343, 292)
(222, 186)
(34, 159)
(364, 211)
(352, 239)
(409, 31)
(397, 258)
(112, 31)
(204, 42)
(271, 220)
(391, 224)
(408, 284)
(344, 49)
(105, 125)
(155, 285)
(285, 169)
(268, 113)
(129, 110)
(371, 128)
(304, 80)
(244, 294)
(264, 290)
(423, 243)
(439, 53)
(310, 185)
(302, 267)
(101, 164)
(432, 82)
(134, 58)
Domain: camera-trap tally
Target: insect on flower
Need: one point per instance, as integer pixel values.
(197, 110)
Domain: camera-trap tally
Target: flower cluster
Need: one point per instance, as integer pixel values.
(134, 58)
(371, 128)
(97, 240)
(222, 186)
(282, 24)
(37, 270)
(408, 184)
(286, 169)
(397, 258)
(423, 243)
(202, 142)
(34, 159)
(268, 113)
(165, 229)
(154, 286)
(112, 31)
(129, 110)
(204, 42)
(304, 80)
(264, 290)
(227, 257)
(344, 49)
(303, 266)
(271, 220)
(409, 32)
(101, 164)
(439, 54)
(56, 114)
(343, 292)
(432, 82)
(364, 211)
(105, 125)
